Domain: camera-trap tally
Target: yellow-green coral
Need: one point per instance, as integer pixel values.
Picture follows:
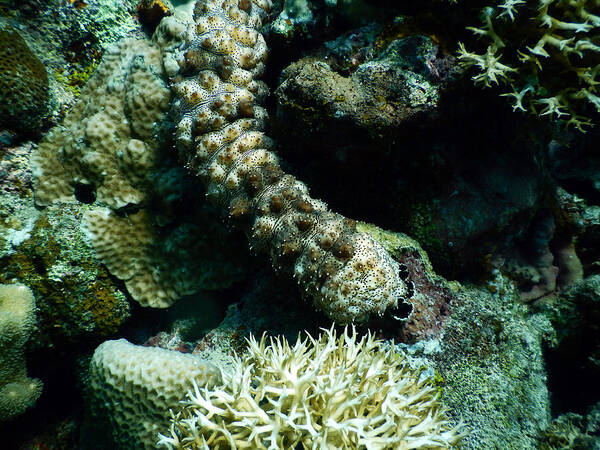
(330, 392)
(547, 52)
(75, 295)
(74, 79)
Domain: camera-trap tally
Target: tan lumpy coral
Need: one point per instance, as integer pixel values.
(330, 392)
(127, 245)
(112, 150)
(107, 141)
(133, 387)
(17, 320)
(219, 132)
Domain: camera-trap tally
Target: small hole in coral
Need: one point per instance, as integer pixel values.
(39, 265)
(403, 272)
(85, 193)
(402, 311)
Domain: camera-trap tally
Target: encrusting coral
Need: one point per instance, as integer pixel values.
(108, 145)
(329, 392)
(17, 319)
(24, 91)
(107, 141)
(134, 260)
(219, 132)
(547, 52)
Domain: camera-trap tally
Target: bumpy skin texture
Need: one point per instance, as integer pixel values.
(220, 134)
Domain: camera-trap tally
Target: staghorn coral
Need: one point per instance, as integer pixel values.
(219, 132)
(17, 320)
(133, 388)
(24, 92)
(329, 392)
(547, 52)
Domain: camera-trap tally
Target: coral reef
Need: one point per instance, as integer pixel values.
(76, 296)
(97, 156)
(69, 38)
(219, 131)
(328, 391)
(95, 146)
(24, 90)
(379, 120)
(47, 251)
(17, 321)
(396, 85)
(423, 159)
(134, 387)
(572, 431)
(547, 54)
(161, 264)
(486, 362)
(490, 366)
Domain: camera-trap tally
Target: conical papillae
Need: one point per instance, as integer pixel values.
(220, 134)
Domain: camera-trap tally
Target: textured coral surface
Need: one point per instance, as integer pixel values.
(382, 123)
(23, 83)
(95, 146)
(17, 320)
(134, 387)
(111, 151)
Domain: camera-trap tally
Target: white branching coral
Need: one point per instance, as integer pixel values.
(549, 50)
(331, 392)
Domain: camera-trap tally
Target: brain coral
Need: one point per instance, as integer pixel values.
(17, 319)
(546, 51)
(134, 387)
(24, 93)
(219, 132)
(329, 392)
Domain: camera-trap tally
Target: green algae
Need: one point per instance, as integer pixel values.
(75, 294)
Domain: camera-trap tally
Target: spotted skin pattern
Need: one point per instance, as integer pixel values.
(219, 132)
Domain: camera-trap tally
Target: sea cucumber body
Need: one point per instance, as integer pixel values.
(220, 135)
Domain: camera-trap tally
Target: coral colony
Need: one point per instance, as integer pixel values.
(109, 206)
(546, 52)
(328, 392)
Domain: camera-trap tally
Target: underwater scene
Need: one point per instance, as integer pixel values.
(299, 224)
